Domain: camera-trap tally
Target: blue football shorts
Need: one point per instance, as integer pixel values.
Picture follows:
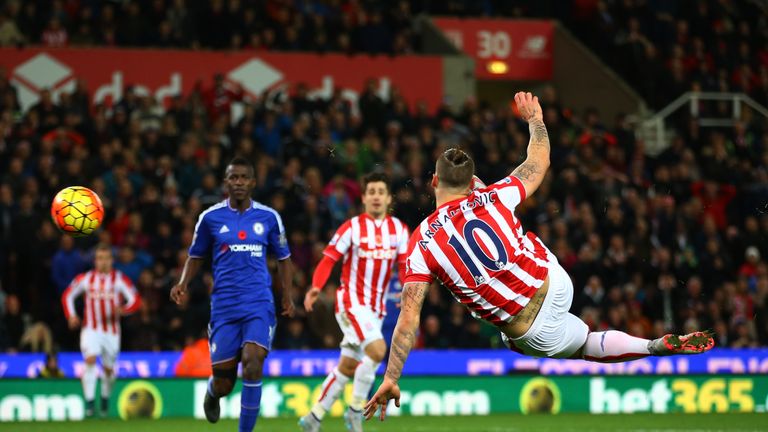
(227, 337)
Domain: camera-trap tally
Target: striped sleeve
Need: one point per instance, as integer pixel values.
(416, 268)
(510, 191)
(340, 242)
(74, 290)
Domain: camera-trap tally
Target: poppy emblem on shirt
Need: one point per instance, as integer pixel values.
(242, 235)
(258, 228)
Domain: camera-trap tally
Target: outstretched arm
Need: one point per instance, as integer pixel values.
(532, 171)
(402, 341)
(285, 272)
(191, 267)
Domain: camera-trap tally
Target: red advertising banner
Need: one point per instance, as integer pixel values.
(503, 49)
(168, 73)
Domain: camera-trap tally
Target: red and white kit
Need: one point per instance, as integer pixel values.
(476, 247)
(105, 293)
(369, 248)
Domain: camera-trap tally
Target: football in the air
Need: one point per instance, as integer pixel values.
(77, 211)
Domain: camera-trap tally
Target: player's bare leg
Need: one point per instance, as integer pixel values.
(332, 387)
(89, 378)
(365, 375)
(219, 385)
(250, 401)
(107, 381)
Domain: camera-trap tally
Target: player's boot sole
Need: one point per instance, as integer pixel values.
(211, 408)
(692, 343)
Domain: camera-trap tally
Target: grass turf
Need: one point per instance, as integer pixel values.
(491, 423)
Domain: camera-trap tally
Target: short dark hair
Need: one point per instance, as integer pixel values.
(376, 177)
(455, 169)
(241, 161)
(103, 247)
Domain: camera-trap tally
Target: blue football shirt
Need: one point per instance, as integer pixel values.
(239, 243)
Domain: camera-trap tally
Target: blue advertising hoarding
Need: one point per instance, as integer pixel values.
(420, 363)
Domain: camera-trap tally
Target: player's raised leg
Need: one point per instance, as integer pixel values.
(559, 334)
(224, 344)
(332, 388)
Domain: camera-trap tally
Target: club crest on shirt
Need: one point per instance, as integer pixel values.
(258, 228)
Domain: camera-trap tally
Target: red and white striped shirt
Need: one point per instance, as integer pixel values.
(370, 249)
(104, 293)
(476, 247)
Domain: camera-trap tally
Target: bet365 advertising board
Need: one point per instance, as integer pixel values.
(45, 400)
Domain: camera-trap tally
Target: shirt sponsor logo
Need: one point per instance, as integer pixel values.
(256, 250)
(378, 254)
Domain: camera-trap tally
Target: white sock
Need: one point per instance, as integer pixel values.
(332, 387)
(90, 375)
(107, 382)
(365, 375)
(613, 346)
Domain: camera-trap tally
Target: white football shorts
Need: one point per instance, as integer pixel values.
(100, 343)
(360, 326)
(555, 333)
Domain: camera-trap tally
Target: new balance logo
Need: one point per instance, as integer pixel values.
(224, 229)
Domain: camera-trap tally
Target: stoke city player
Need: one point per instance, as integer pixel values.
(109, 295)
(370, 245)
(239, 232)
(475, 246)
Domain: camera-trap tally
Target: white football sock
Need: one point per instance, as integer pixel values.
(90, 375)
(332, 387)
(613, 346)
(107, 382)
(365, 375)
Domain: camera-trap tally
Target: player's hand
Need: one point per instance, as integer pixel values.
(529, 107)
(310, 298)
(289, 309)
(387, 390)
(178, 292)
(74, 322)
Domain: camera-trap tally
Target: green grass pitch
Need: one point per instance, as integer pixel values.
(491, 423)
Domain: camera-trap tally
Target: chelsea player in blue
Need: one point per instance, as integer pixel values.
(239, 232)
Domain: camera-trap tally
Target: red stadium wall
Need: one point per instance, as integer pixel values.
(167, 73)
(504, 49)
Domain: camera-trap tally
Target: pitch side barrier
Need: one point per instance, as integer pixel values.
(420, 363)
(51, 400)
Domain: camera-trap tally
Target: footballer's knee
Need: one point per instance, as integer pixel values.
(252, 369)
(347, 366)
(107, 371)
(90, 361)
(253, 361)
(376, 350)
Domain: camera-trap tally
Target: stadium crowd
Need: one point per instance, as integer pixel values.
(674, 242)
(662, 48)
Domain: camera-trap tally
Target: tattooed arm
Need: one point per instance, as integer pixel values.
(532, 171)
(405, 331)
(402, 341)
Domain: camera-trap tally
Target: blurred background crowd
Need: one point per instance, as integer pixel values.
(672, 242)
(660, 47)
